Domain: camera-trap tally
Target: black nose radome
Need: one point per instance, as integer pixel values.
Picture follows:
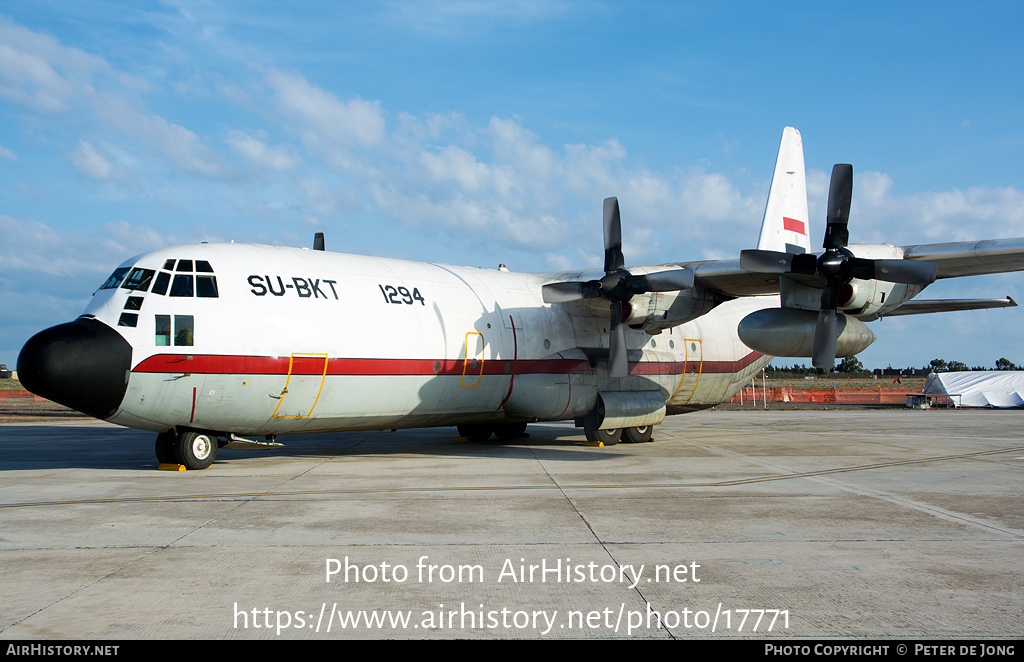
(82, 364)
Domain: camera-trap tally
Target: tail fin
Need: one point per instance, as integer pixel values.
(785, 226)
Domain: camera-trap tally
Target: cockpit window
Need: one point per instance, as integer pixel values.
(139, 280)
(189, 279)
(163, 279)
(206, 286)
(115, 278)
(182, 285)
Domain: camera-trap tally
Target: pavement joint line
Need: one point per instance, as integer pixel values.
(492, 488)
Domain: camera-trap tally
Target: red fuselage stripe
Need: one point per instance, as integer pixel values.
(312, 365)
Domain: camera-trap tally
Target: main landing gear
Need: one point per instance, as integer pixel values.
(625, 435)
(192, 448)
(591, 421)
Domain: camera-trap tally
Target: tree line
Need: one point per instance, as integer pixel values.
(851, 366)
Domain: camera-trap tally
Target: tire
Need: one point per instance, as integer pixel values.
(638, 435)
(593, 433)
(475, 432)
(196, 450)
(606, 437)
(165, 448)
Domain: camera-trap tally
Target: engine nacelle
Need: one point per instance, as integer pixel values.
(866, 300)
(656, 311)
(788, 332)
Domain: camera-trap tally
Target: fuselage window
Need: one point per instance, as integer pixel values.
(206, 286)
(182, 285)
(183, 330)
(133, 303)
(115, 278)
(139, 280)
(128, 319)
(163, 330)
(163, 279)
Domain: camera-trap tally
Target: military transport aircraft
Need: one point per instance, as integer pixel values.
(206, 343)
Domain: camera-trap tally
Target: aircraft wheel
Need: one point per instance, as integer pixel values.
(606, 437)
(165, 448)
(510, 431)
(475, 432)
(638, 435)
(196, 450)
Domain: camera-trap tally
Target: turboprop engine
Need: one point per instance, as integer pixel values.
(790, 332)
(836, 269)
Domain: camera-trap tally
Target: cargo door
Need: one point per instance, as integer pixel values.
(302, 387)
(692, 366)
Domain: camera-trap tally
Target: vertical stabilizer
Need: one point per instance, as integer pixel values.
(785, 225)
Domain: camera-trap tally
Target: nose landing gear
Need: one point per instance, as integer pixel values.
(191, 448)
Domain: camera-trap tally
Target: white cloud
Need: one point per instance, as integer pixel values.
(323, 121)
(7, 154)
(90, 162)
(33, 247)
(451, 18)
(455, 164)
(259, 152)
(317, 195)
(983, 212)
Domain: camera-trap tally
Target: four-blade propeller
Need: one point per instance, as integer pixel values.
(617, 286)
(837, 265)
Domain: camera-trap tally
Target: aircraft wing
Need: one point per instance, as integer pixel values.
(949, 305)
(971, 258)
(725, 277)
(966, 258)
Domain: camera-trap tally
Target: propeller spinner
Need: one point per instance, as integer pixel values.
(617, 286)
(837, 265)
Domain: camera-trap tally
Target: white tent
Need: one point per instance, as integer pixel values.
(1003, 388)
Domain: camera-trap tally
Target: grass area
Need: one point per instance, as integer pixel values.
(9, 384)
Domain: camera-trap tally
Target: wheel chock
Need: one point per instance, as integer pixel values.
(598, 444)
(172, 467)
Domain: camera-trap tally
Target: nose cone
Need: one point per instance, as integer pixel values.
(82, 364)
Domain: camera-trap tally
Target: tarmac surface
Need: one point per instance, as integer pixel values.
(814, 524)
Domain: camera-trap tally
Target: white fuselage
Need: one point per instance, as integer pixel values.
(301, 340)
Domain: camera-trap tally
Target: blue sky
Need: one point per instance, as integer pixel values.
(473, 132)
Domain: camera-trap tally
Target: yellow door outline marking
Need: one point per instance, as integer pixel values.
(284, 393)
(467, 361)
(700, 369)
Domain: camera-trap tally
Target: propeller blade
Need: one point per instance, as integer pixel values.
(668, 281)
(613, 260)
(911, 272)
(824, 351)
(617, 343)
(777, 262)
(840, 194)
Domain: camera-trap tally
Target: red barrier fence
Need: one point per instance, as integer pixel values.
(847, 396)
(19, 394)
